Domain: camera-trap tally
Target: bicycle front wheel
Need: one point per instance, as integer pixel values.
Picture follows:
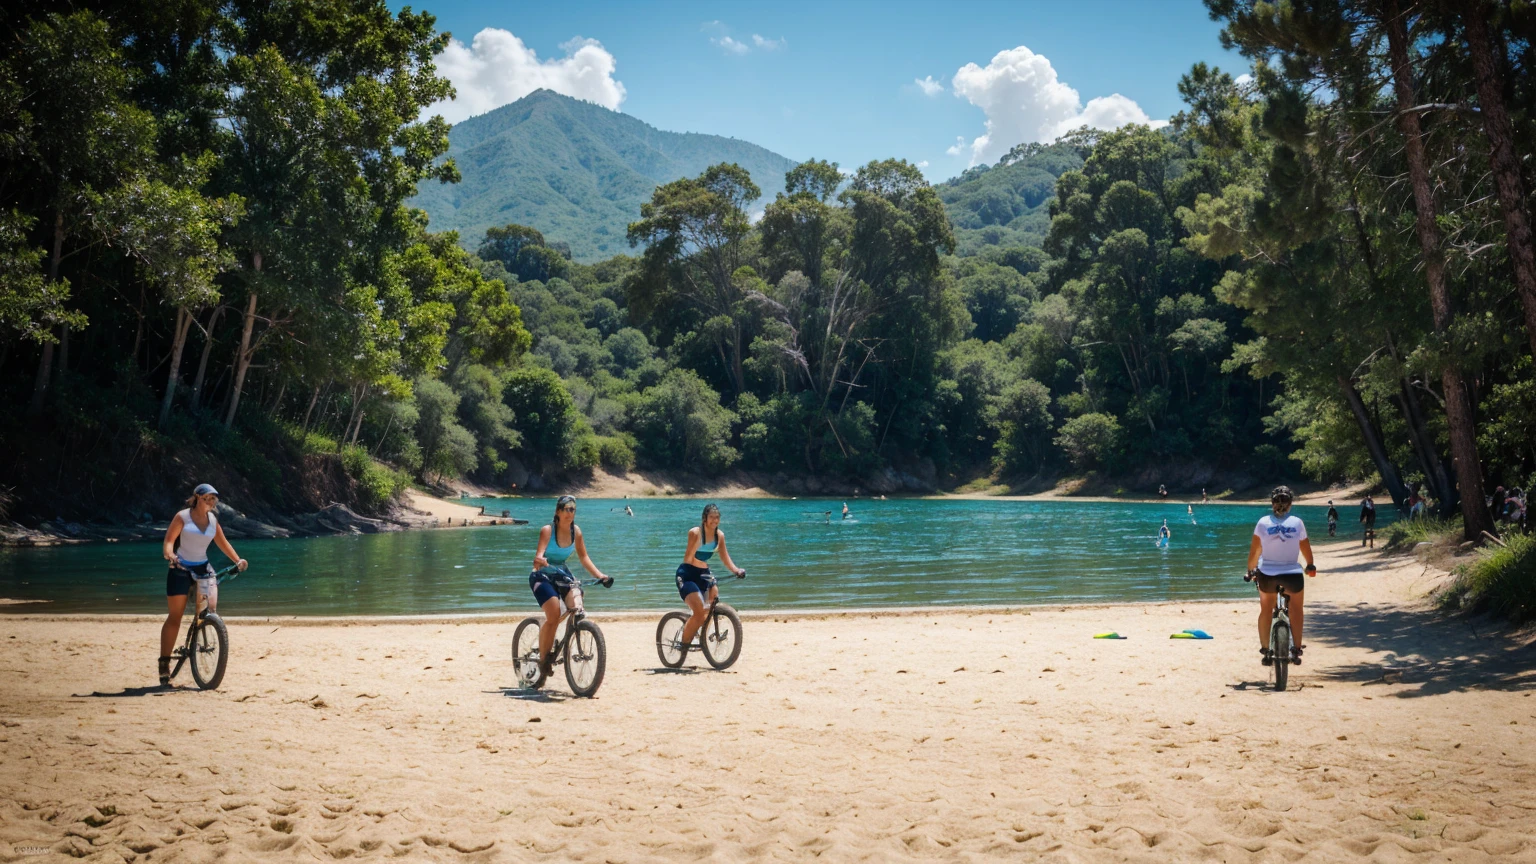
(586, 658)
(525, 653)
(210, 651)
(669, 639)
(1280, 651)
(722, 637)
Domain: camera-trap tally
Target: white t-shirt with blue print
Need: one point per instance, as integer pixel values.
(1280, 542)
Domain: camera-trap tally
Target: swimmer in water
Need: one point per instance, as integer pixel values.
(845, 509)
(628, 511)
(1163, 534)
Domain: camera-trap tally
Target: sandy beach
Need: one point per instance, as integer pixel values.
(917, 735)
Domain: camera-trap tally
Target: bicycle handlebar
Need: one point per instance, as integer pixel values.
(221, 575)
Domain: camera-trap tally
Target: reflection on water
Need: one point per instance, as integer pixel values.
(905, 552)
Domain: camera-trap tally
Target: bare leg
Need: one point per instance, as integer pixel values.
(551, 609)
(1266, 609)
(175, 606)
(1296, 617)
(696, 605)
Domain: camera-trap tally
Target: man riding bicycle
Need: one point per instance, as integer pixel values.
(1278, 539)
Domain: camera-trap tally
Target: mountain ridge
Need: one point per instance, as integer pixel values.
(575, 170)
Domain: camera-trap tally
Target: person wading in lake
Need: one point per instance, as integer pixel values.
(186, 547)
(1368, 522)
(1333, 519)
(551, 580)
(1278, 540)
(695, 583)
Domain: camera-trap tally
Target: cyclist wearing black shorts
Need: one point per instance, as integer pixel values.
(695, 584)
(1278, 540)
(186, 544)
(553, 585)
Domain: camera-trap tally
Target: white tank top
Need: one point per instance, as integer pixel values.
(194, 543)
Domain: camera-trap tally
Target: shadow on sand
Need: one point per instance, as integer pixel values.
(523, 694)
(1433, 652)
(130, 692)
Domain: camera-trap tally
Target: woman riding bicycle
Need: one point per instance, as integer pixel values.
(551, 580)
(695, 583)
(186, 547)
(1277, 540)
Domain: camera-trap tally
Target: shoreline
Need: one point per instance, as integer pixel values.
(918, 735)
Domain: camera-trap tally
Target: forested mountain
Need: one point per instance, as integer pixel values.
(575, 171)
(1008, 204)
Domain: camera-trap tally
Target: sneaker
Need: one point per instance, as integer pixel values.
(1296, 655)
(1267, 659)
(165, 671)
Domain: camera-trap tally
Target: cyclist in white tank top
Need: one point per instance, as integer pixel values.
(186, 547)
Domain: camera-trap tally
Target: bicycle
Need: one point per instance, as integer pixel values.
(207, 643)
(586, 653)
(719, 638)
(1279, 638)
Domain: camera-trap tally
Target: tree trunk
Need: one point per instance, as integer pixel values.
(63, 350)
(243, 358)
(202, 364)
(737, 377)
(1384, 466)
(1503, 159)
(1458, 410)
(178, 342)
(315, 397)
(45, 362)
(1441, 481)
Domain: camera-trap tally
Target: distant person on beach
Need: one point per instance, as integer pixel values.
(1333, 519)
(1368, 522)
(1162, 492)
(845, 509)
(551, 580)
(1277, 541)
(1203, 498)
(186, 547)
(695, 583)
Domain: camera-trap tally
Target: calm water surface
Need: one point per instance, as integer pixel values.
(891, 553)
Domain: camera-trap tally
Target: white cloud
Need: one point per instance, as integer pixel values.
(769, 44)
(929, 86)
(958, 147)
(1243, 80)
(497, 68)
(1025, 101)
(729, 45)
(923, 164)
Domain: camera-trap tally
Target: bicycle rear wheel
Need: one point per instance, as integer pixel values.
(721, 637)
(1280, 650)
(586, 658)
(669, 639)
(525, 653)
(210, 651)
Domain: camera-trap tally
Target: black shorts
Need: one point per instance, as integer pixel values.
(693, 580)
(178, 580)
(548, 586)
(1294, 583)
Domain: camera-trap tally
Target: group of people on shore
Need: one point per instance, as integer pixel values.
(1279, 541)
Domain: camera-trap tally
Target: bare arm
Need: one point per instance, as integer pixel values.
(539, 561)
(223, 543)
(695, 539)
(726, 556)
(1306, 550)
(171, 533)
(1254, 548)
(586, 560)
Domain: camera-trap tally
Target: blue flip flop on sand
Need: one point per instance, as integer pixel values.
(1191, 634)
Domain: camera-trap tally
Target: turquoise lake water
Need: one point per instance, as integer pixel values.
(891, 553)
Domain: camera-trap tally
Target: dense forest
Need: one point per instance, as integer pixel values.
(211, 267)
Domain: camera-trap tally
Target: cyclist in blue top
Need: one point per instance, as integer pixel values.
(694, 581)
(552, 583)
(1278, 539)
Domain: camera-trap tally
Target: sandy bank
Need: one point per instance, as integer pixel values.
(959, 735)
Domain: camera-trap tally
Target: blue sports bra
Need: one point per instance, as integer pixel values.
(554, 553)
(705, 550)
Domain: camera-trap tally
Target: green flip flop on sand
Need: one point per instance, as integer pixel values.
(1109, 635)
(1191, 634)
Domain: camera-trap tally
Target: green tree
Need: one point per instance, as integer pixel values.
(680, 422)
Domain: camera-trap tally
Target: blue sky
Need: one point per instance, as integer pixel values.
(839, 80)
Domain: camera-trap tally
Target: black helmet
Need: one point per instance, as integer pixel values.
(1282, 495)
